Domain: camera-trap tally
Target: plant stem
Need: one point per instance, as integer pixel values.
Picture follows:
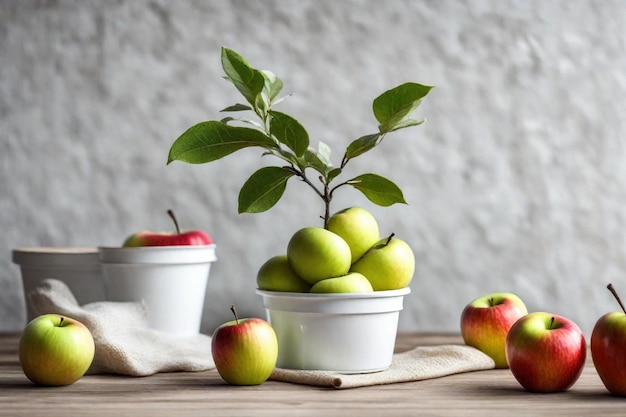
(304, 178)
(332, 190)
(232, 308)
(325, 195)
(619, 301)
(171, 214)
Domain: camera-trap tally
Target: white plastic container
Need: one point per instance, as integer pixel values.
(78, 268)
(345, 333)
(171, 280)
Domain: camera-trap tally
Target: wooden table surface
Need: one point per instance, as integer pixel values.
(493, 392)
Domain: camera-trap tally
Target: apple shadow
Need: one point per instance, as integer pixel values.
(598, 395)
(510, 392)
(26, 385)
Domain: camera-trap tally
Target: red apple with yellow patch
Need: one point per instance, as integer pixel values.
(245, 351)
(486, 321)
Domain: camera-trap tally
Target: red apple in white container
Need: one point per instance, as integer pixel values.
(546, 352)
(179, 238)
(244, 350)
(608, 341)
(486, 321)
(170, 275)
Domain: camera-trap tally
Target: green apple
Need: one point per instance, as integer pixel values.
(315, 254)
(245, 351)
(388, 265)
(349, 283)
(486, 321)
(55, 350)
(357, 227)
(277, 275)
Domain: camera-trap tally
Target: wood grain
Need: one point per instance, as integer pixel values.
(493, 392)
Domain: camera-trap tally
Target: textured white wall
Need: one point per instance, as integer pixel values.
(516, 182)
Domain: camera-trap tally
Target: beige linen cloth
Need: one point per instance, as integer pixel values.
(125, 345)
(417, 364)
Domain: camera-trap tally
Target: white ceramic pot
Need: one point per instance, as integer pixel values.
(171, 280)
(78, 268)
(345, 333)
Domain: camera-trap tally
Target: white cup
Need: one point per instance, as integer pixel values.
(78, 268)
(171, 280)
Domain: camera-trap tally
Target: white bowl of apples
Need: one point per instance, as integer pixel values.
(167, 271)
(343, 333)
(335, 298)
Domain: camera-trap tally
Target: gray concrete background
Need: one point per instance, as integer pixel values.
(517, 181)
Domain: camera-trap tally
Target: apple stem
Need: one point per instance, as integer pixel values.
(389, 238)
(234, 310)
(491, 302)
(61, 321)
(619, 301)
(551, 323)
(171, 214)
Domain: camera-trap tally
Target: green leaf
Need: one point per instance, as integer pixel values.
(379, 190)
(281, 99)
(286, 155)
(313, 161)
(212, 140)
(254, 123)
(247, 80)
(406, 123)
(323, 152)
(263, 189)
(289, 132)
(332, 174)
(392, 107)
(362, 145)
(320, 160)
(237, 107)
(273, 84)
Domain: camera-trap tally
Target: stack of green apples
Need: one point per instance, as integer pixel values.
(348, 256)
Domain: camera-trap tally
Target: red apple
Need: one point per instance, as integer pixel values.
(244, 350)
(486, 321)
(146, 238)
(608, 340)
(546, 352)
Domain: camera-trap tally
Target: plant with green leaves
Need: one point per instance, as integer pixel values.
(282, 136)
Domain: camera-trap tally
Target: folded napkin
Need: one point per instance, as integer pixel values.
(420, 363)
(124, 342)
